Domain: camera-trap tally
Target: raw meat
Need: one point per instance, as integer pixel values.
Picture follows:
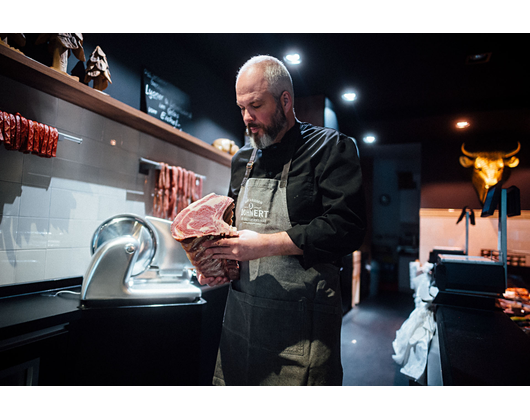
(206, 219)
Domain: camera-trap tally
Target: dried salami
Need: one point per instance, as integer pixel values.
(31, 134)
(9, 130)
(55, 137)
(20, 133)
(37, 138)
(23, 137)
(1, 126)
(46, 138)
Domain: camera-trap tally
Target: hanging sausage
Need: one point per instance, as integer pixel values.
(175, 189)
(27, 136)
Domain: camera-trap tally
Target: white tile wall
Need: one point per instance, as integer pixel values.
(50, 208)
(438, 228)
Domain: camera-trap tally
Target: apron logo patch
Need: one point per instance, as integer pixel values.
(252, 212)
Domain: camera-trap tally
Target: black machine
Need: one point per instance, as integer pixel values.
(465, 280)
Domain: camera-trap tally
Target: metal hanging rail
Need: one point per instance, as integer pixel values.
(63, 136)
(146, 164)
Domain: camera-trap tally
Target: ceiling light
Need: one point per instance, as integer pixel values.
(478, 58)
(369, 139)
(293, 58)
(349, 96)
(462, 124)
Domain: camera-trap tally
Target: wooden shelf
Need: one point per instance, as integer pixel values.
(32, 73)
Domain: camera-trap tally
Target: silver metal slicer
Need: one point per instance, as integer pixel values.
(136, 261)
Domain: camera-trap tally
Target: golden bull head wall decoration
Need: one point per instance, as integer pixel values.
(488, 167)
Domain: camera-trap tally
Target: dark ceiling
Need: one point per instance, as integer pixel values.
(410, 87)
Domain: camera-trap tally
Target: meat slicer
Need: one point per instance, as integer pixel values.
(136, 261)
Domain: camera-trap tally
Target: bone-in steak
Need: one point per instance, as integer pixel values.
(206, 219)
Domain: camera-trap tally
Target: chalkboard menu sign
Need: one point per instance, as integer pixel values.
(164, 101)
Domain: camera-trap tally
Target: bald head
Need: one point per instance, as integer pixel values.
(273, 72)
(264, 95)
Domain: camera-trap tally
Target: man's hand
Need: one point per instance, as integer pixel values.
(247, 245)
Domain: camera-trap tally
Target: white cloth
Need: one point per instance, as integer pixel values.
(411, 346)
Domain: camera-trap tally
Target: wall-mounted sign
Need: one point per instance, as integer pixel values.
(164, 101)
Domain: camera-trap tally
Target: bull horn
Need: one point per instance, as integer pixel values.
(465, 152)
(510, 154)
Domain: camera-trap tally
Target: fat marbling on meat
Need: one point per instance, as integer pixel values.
(206, 219)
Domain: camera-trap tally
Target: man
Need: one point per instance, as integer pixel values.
(300, 208)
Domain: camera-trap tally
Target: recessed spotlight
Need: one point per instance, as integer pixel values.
(293, 58)
(349, 96)
(462, 124)
(478, 58)
(369, 139)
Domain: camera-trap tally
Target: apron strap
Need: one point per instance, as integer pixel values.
(250, 164)
(285, 173)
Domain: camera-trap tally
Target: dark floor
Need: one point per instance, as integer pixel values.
(368, 331)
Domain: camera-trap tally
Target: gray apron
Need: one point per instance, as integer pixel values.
(282, 322)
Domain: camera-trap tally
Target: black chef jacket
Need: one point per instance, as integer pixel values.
(325, 197)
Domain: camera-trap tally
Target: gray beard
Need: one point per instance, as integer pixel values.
(261, 142)
(270, 133)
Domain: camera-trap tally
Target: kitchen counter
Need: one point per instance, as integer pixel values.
(144, 345)
(481, 347)
(34, 307)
